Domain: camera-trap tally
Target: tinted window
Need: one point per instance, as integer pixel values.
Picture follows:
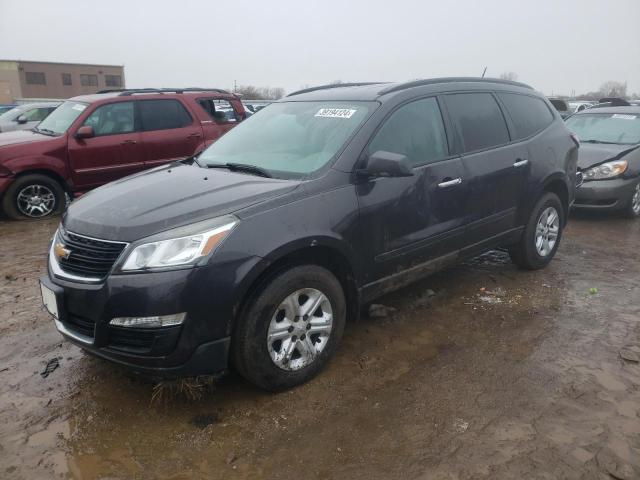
(35, 78)
(479, 120)
(163, 114)
(219, 110)
(112, 119)
(113, 80)
(414, 130)
(88, 80)
(529, 114)
(66, 79)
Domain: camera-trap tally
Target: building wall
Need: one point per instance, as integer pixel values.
(30, 73)
(10, 88)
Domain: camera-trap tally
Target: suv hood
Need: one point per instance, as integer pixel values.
(167, 197)
(592, 154)
(22, 136)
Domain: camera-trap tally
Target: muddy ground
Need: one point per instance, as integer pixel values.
(500, 374)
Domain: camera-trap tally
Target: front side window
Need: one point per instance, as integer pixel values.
(37, 114)
(218, 109)
(622, 128)
(112, 119)
(415, 130)
(35, 78)
(290, 139)
(163, 115)
(88, 80)
(62, 117)
(529, 114)
(479, 120)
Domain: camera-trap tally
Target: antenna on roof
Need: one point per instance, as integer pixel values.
(484, 71)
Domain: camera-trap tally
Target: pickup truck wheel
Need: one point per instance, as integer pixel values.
(33, 196)
(290, 329)
(542, 234)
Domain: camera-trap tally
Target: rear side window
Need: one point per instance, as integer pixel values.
(478, 119)
(219, 110)
(163, 115)
(529, 114)
(414, 130)
(112, 119)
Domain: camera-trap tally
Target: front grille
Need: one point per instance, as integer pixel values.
(81, 325)
(89, 257)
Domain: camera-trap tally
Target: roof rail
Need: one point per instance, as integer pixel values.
(433, 81)
(125, 92)
(333, 85)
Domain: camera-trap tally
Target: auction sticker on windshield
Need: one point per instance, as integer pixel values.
(623, 116)
(79, 107)
(336, 112)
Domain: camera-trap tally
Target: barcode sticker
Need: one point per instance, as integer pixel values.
(335, 112)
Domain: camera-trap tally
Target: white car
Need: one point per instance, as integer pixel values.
(25, 117)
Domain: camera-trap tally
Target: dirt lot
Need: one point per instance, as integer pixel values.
(498, 374)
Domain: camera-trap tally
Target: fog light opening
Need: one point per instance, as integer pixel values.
(149, 322)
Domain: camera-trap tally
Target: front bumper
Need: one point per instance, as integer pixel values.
(605, 194)
(199, 346)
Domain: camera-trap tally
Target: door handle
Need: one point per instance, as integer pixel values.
(194, 135)
(450, 183)
(129, 142)
(521, 163)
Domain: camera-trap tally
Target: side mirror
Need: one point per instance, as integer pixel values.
(386, 164)
(22, 119)
(85, 131)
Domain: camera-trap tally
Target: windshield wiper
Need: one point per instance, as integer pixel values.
(44, 131)
(599, 141)
(241, 167)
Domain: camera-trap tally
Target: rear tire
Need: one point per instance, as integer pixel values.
(542, 234)
(32, 197)
(633, 209)
(290, 329)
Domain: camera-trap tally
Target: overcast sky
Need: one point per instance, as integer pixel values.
(555, 45)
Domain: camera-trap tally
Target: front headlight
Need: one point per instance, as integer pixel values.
(173, 252)
(606, 170)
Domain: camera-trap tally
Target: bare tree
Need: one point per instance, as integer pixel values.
(252, 92)
(513, 76)
(613, 89)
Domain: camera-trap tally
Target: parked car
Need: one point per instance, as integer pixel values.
(6, 107)
(257, 252)
(561, 105)
(575, 107)
(609, 159)
(94, 139)
(25, 117)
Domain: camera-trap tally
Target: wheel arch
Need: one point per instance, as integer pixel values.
(557, 184)
(313, 252)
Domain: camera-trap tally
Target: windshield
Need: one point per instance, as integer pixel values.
(62, 117)
(606, 127)
(289, 140)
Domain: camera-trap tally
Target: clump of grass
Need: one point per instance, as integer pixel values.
(189, 388)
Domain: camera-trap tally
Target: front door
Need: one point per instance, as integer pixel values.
(115, 151)
(411, 222)
(497, 168)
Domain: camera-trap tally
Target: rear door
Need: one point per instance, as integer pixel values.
(408, 221)
(169, 132)
(222, 117)
(497, 168)
(115, 151)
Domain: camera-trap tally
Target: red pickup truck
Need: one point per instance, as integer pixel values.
(94, 139)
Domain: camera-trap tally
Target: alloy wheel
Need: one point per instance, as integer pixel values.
(300, 329)
(36, 201)
(547, 231)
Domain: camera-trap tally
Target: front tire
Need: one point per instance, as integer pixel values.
(633, 209)
(542, 234)
(290, 329)
(32, 197)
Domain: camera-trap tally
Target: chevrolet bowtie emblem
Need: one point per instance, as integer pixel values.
(61, 252)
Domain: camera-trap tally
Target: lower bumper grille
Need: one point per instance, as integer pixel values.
(81, 325)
